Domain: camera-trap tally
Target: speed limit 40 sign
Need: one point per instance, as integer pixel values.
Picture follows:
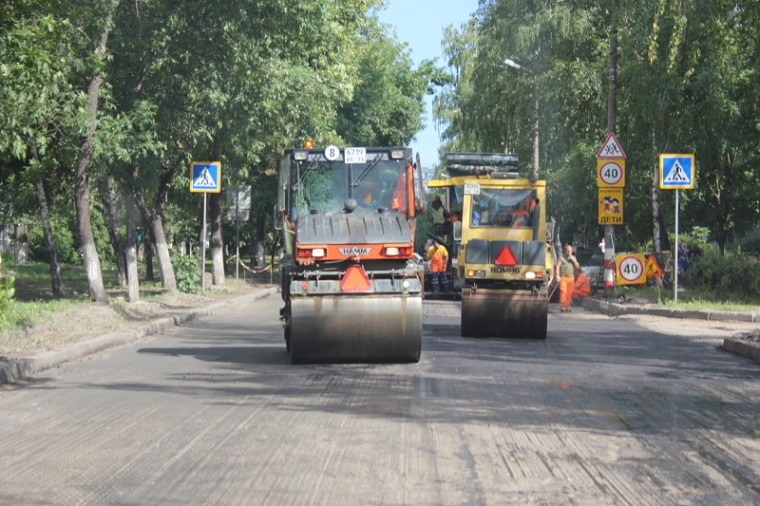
(630, 269)
(610, 172)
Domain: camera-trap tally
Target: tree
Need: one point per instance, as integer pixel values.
(38, 107)
(387, 103)
(82, 180)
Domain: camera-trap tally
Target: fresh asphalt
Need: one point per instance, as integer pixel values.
(14, 370)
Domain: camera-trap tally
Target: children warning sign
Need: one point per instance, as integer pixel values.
(610, 206)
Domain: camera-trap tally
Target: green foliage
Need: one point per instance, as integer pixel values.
(66, 243)
(187, 271)
(751, 245)
(685, 83)
(730, 276)
(7, 290)
(386, 107)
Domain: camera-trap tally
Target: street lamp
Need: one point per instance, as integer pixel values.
(534, 172)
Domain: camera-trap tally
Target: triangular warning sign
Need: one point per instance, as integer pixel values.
(611, 148)
(677, 174)
(652, 268)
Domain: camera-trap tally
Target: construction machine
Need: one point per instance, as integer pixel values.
(351, 289)
(504, 260)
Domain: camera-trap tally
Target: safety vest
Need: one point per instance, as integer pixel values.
(439, 257)
(582, 287)
(437, 215)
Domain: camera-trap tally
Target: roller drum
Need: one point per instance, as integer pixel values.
(359, 329)
(515, 314)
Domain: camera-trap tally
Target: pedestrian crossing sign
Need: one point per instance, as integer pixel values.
(677, 172)
(205, 177)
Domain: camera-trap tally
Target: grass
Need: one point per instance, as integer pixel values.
(688, 298)
(25, 314)
(34, 302)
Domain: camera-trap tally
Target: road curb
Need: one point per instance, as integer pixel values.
(736, 346)
(15, 370)
(748, 349)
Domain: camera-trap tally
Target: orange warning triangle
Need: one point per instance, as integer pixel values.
(652, 268)
(355, 280)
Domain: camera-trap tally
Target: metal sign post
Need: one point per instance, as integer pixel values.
(238, 209)
(610, 176)
(675, 277)
(676, 172)
(203, 247)
(205, 177)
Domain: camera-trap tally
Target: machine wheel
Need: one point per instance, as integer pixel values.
(504, 314)
(355, 329)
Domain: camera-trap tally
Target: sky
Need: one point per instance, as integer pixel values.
(420, 23)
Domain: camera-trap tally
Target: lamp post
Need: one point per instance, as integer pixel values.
(534, 172)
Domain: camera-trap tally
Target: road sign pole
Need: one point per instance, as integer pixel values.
(675, 277)
(237, 234)
(203, 247)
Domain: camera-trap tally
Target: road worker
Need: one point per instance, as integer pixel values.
(582, 286)
(565, 271)
(438, 259)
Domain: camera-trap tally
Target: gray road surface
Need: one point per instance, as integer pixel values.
(605, 411)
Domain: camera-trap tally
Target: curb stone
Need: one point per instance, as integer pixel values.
(748, 349)
(737, 346)
(14, 370)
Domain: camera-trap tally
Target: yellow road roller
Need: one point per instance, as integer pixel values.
(504, 261)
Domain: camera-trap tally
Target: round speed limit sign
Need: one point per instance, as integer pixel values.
(610, 172)
(630, 269)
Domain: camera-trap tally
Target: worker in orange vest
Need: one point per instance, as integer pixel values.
(582, 287)
(438, 259)
(566, 265)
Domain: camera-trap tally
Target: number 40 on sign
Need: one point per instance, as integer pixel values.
(630, 269)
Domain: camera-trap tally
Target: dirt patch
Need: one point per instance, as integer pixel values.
(87, 320)
(753, 336)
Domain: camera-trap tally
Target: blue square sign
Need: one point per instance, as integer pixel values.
(205, 177)
(677, 172)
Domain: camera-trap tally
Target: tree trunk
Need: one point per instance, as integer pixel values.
(156, 226)
(111, 215)
(147, 241)
(21, 248)
(130, 251)
(215, 219)
(260, 239)
(82, 189)
(217, 244)
(656, 218)
(82, 200)
(55, 266)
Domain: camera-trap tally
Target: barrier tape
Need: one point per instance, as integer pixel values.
(253, 271)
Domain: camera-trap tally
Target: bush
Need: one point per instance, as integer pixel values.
(730, 276)
(66, 243)
(751, 245)
(187, 271)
